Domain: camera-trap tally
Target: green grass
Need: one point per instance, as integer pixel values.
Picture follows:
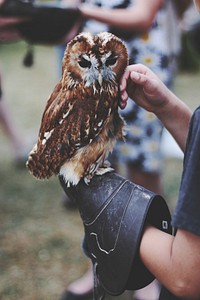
(40, 241)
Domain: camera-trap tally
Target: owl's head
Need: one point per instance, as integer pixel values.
(94, 60)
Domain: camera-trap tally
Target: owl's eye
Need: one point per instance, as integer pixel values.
(84, 63)
(110, 61)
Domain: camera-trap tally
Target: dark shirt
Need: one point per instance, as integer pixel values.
(187, 212)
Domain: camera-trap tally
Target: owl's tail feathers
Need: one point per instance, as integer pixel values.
(38, 166)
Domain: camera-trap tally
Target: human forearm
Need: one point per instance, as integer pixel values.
(9, 28)
(8, 31)
(136, 18)
(176, 117)
(173, 260)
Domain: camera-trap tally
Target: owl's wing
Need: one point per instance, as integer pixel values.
(68, 123)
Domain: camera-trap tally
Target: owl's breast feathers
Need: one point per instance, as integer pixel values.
(72, 120)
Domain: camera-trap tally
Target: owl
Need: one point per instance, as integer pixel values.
(81, 124)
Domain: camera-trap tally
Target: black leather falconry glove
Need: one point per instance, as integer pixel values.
(114, 212)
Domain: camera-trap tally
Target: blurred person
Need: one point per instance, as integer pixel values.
(190, 26)
(9, 128)
(153, 40)
(8, 27)
(9, 33)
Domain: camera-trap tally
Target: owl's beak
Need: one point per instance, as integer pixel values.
(100, 79)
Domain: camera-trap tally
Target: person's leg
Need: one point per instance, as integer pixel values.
(150, 292)
(84, 284)
(80, 289)
(10, 130)
(15, 139)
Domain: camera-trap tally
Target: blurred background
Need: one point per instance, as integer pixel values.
(40, 248)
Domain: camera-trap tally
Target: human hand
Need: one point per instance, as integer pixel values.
(141, 84)
(8, 29)
(144, 87)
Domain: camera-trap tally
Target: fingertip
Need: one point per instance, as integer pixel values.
(123, 101)
(124, 95)
(122, 105)
(121, 87)
(124, 78)
(122, 83)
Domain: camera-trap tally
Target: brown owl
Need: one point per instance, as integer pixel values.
(81, 124)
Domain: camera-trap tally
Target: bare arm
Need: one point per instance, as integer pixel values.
(175, 261)
(8, 27)
(138, 17)
(148, 91)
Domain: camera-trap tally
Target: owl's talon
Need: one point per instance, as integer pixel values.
(104, 170)
(87, 180)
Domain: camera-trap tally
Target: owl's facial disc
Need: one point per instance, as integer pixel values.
(98, 69)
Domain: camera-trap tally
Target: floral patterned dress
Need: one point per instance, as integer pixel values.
(158, 49)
